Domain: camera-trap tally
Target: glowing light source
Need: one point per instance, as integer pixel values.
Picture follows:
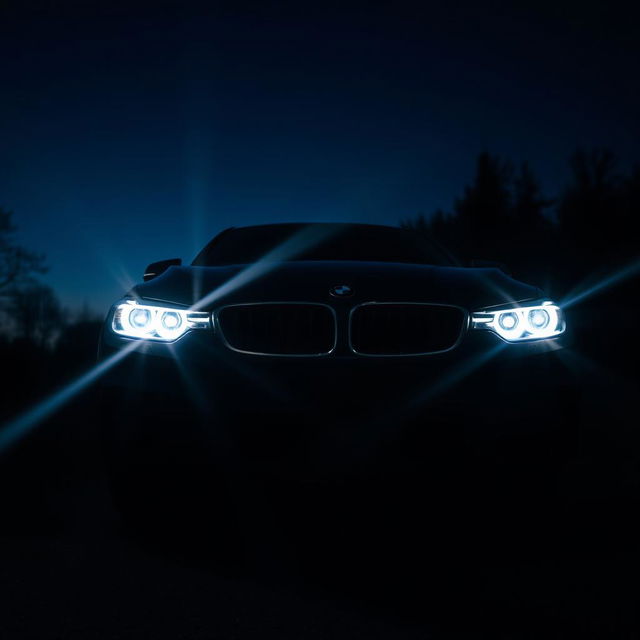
(527, 322)
(170, 320)
(140, 318)
(508, 321)
(134, 320)
(539, 318)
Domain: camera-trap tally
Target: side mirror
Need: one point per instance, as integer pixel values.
(490, 264)
(156, 268)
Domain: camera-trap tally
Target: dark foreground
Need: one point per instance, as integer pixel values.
(450, 565)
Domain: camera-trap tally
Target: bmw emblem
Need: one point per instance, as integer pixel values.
(341, 291)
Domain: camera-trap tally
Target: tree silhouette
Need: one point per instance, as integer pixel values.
(485, 206)
(529, 204)
(17, 264)
(629, 214)
(494, 214)
(36, 313)
(598, 215)
(590, 207)
(503, 216)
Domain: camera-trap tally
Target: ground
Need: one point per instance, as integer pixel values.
(70, 569)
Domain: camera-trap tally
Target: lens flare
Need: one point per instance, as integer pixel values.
(297, 243)
(20, 426)
(454, 376)
(609, 281)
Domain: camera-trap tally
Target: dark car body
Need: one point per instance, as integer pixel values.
(318, 364)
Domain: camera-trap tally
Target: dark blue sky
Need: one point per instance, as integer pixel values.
(130, 135)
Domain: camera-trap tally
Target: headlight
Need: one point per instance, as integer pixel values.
(527, 322)
(148, 322)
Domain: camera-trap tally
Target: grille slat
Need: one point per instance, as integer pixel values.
(405, 329)
(279, 328)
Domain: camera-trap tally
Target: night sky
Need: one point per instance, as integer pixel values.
(132, 135)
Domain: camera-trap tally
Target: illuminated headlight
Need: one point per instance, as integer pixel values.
(148, 322)
(527, 322)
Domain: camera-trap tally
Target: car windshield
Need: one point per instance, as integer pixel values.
(362, 243)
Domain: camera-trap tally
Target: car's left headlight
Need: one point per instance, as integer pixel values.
(522, 322)
(149, 322)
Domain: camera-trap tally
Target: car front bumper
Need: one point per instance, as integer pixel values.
(198, 390)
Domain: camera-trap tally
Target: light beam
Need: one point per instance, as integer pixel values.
(20, 426)
(17, 428)
(294, 245)
(454, 376)
(609, 281)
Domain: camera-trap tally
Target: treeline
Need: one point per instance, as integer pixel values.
(41, 343)
(556, 241)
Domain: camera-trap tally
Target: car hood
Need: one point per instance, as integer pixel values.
(471, 288)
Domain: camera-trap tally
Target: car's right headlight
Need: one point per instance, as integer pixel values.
(149, 322)
(522, 322)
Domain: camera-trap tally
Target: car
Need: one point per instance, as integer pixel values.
(319, 350)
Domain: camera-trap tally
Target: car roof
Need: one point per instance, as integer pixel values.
(295, 225)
